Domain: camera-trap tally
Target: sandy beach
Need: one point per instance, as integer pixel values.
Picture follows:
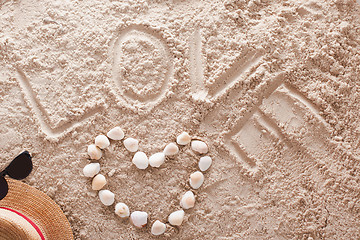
(272, 87)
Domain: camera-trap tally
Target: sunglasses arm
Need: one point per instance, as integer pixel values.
(3, 173)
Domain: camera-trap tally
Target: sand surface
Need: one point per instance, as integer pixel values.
(272, 86)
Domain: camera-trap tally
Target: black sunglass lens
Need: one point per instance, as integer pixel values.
(3, 188)
(20, 167)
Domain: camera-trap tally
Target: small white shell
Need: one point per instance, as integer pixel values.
(98, 182)
(111, 173)
(131, 144)
(205, 163)
(199, 146)
(183, 139)
(116, 133)
(122, 210)
(188, 200)
(176, 218)
(91, 169)
(157, 159)
(102, 141)
(158, 228)
(94, 152)
(196, 179)
(106, 197)
(139, 219)
(140, 160)
(171, 149)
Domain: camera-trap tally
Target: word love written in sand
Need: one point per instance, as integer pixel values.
(141, 161)
(142, 70)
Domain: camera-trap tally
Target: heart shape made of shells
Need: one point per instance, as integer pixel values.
(141, 161)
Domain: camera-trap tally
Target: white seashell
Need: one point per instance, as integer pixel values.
(196, 179)
(94, 152)
(102, 141)
(140, 160)
(199, 146)
(171, 149)
(122, 210)
(131, 144)
(139, 219)
(98, 182)
(183, 139)
(116, 133)
(106, 197)
(91, 169)
(111, 173)
(176, 218)
(188, 200)
(157, 159)
(205, 163)
(158, 228)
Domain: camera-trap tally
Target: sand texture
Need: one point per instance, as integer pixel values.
(273, 87)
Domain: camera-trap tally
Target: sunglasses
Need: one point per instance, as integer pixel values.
(18, 169)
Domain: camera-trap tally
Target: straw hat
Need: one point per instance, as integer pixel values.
(27, 213)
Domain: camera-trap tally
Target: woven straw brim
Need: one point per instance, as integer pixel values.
(38, 207)
(15, 227)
